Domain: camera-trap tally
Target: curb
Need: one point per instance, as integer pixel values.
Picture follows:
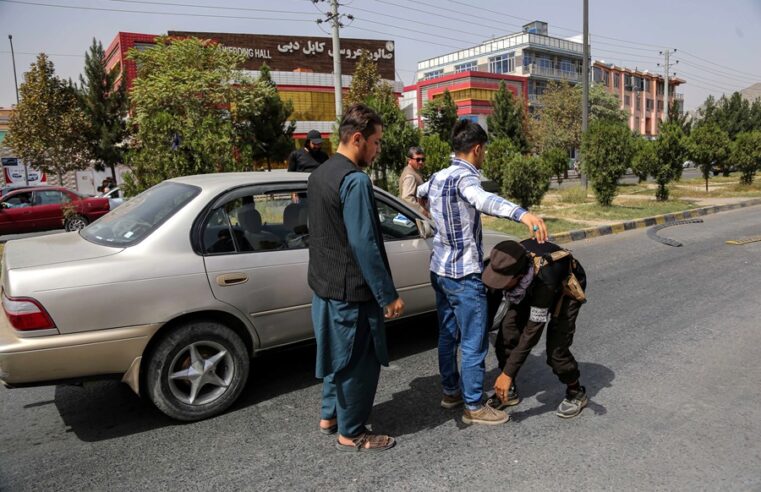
(619, 227)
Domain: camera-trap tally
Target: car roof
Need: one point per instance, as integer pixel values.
(223, 181)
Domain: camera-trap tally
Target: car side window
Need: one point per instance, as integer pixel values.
(50, 197)
(20, 200)
(271, 221)
(395, 224)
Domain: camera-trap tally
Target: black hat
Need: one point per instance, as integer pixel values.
(314, 137)
(507, 260)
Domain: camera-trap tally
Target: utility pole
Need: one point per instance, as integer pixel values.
(337, 58)
(585, 81)
(15, 83)
(666, 69)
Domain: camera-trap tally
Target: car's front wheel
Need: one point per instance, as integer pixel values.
(75, 223)
(196, 370)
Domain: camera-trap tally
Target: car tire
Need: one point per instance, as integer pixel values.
(75, 223)
(192, 386)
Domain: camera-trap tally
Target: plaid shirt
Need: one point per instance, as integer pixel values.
(456, 200)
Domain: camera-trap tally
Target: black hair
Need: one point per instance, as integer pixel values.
(358, 118)
(466, 134)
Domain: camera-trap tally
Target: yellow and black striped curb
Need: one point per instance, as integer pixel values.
(618, 227)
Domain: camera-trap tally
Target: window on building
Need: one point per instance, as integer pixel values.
(544, 63)
(433, 74)
(627, 82)
(627, 101)
(465, 67)
(567, 67)
(647, 85)
(660, 105)
(659, 88)
(528, 59)
(638, 103)
(649, 105)
(502, 63)
(616, 80)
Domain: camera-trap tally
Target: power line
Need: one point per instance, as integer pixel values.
(214, 7)
(397, 27)
(45, 52)
(755, 76)
(150, 12)
(405, 37)
(417, 22)
(744, 80)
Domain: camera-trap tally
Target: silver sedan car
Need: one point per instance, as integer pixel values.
(175, 290)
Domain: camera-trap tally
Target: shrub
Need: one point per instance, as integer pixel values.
(526, 179)
(607, 150)
(500, 152)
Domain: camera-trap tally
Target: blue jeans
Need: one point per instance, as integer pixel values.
(462, 309)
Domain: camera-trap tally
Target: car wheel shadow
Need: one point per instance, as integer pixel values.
(102, 410)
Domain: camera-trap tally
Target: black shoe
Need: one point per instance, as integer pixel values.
(512, 399)
(573, 404)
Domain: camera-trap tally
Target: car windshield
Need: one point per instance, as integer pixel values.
(136, 219)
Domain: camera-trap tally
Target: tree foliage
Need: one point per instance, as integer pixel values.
(607, 150)
(191, 108)
(733, 114)
(437, 154)
(440, 116)
(644, 160)
(364, 81)
(508, 119)
(708, 145)
(670, 151)
(498, 155)
(398, 135)
(266, 134)
(556, 160)
(105, 105)
(48, 129)
(746, 155)
(526, 179)
(558, 116)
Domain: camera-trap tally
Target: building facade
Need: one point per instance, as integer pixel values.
(531, 55)
(640, 94)
(301, 67)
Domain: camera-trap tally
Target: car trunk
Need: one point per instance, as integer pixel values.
(52, 249)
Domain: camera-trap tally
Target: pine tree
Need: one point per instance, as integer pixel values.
(440, 116)
(48, 128)
(364, 81)
(272, 132)
(105, 106)
(507, 119)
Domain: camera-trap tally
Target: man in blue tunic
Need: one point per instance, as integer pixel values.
(351, 279)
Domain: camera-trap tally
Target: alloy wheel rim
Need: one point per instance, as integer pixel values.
(76, 225)
(201, 373)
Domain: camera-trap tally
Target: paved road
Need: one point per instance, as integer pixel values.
(669, 346)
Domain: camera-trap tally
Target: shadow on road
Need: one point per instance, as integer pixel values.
(416, 408)
(102, 410)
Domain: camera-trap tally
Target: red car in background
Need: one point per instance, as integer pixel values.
(42, 208)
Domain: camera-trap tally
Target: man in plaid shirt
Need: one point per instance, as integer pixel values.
(456, 200)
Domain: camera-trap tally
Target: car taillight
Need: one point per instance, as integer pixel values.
(26, 314)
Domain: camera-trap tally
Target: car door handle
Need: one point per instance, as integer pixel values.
(228, 279)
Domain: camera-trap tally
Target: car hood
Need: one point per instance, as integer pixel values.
(52, 249)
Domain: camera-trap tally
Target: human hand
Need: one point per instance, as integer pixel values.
(502, 386)
(395, 309)
(536, 226)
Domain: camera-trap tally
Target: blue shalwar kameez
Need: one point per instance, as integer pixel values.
(351, 336)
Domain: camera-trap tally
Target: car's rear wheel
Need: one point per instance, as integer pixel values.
(75, 223)
(197, 370)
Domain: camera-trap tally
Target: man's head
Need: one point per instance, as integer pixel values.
(469, 142)
(416, 158)
(314, 141)
(508, 263)
(361, 131)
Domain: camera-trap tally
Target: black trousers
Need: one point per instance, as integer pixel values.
(517, 336)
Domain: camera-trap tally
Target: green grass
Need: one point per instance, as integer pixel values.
(622, 209)
(574, 194)
(554, 225)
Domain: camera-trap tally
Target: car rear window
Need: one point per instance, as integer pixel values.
(138, 217)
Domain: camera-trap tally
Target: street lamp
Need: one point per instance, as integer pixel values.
(15, 83)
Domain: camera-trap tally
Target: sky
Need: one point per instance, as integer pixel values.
(717, 43)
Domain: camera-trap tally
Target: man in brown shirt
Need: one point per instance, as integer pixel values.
(410, 179)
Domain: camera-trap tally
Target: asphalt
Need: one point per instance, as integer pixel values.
(669, 347)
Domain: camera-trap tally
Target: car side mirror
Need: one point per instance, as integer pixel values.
(424, 228)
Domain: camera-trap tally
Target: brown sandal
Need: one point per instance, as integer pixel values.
(375, 442)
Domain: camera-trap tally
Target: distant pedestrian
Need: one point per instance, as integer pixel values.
(307, 159)
(537, 293)
(456, 201)
(410, 179)
(351, 279)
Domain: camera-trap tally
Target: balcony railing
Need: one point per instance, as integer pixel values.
(552, 73)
